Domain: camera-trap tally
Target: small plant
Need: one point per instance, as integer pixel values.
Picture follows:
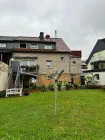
(2, 93)
(59, 86)
(35, 86)
(51, 87)
(76, 86)
(67, 86)
(31, 85)
(43, 88)
(26, 91)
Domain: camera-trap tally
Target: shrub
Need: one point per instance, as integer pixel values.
(67, 86)
(2, 93)
(33, 86)
(76, 86)
(51, 87)
(59, 85)
(43, 88)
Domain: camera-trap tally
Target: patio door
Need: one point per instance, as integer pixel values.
(15, 66)
(25, 81)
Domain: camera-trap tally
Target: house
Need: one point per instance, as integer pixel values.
(75, 66)
(96, 62)
(83, 65)
(35, 59)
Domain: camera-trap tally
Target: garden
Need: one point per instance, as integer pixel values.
(80, 115)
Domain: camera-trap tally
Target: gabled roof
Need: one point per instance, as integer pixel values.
(100, 46)
(60, 44)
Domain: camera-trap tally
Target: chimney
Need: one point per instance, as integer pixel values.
(41, 36)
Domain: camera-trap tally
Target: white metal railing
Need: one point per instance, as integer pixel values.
(99, 58)
(17, 77)
(14, 91)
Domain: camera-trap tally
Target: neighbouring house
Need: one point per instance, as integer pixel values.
(75, 66)
(83, 65)
(3, 75)
(35, 59)
(83, 68)
(96, 62)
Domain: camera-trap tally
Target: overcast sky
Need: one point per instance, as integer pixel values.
(79, 22)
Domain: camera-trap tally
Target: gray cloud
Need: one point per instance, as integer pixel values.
(79, 23)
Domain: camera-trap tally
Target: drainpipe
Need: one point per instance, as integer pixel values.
(1, 57)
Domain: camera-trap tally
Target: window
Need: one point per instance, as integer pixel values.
(60, 82)
(74, 62)
(50, 77)
(25, 63)
(34, 46)
(97, 76)
(31, 63)
(49, 64)
(62, 58)
(28, 63)
(22, 45)
(2, 45)
(48, 46)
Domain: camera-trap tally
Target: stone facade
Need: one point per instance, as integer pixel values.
(60, 61)
(75, 65)
(57, 63)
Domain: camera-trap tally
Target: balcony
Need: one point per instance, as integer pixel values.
(96, 59)
(29, 69)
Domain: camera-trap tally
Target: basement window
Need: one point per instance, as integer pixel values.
(22, 45)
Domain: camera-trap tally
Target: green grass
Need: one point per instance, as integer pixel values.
(80, 116)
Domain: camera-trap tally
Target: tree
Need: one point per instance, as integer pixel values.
(90, 80)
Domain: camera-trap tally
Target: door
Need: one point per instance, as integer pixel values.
(15, 66)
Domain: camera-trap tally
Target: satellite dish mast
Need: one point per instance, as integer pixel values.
(55, 33)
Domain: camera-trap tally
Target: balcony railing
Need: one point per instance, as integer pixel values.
(95, 59)
(29, 69)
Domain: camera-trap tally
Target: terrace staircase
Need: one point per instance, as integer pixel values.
(14, 76)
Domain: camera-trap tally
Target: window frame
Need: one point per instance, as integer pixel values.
(27, 62)
(33, 45)
(62, 58)
(74, 63)
(47, 64)
(45, 45)
(3, 44)
(25, 44)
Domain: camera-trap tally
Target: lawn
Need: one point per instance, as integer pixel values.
(80, 116)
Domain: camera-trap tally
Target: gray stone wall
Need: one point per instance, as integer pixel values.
(75, 65)
(57, 63)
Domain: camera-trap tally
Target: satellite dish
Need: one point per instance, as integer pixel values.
(47, 36)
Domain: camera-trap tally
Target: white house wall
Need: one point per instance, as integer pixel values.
(101, 77)
(3, 76)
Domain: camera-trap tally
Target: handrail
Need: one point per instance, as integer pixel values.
(17, 76)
